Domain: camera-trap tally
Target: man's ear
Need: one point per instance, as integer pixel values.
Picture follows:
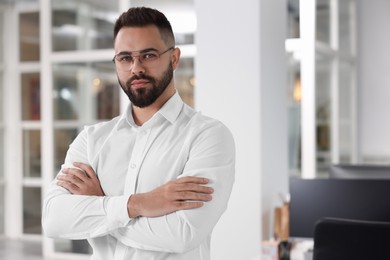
(175, 58)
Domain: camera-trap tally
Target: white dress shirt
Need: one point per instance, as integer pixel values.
(175, 142)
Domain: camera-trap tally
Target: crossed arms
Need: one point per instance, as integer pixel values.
(181, 194)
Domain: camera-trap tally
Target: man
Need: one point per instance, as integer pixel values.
(153, 182)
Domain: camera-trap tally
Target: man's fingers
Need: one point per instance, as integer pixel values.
(181, 194)
(195, 188)
(188, 195)
(192, 179)
(191, 188)
(86, 168)
(69, 186)
(81, 180)
(73, 175)
(191, 183)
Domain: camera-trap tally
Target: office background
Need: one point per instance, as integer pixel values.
(56, 76)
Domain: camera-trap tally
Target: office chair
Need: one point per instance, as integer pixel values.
(344, 239)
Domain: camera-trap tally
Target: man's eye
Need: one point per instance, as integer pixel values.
(125, 58)
(149, 56)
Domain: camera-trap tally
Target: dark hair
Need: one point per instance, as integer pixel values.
(144, 16)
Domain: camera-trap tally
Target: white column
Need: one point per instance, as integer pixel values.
(123, 5)
(334, 83)
(13, 141)
(273, 117)
(355, 151)
(47, 132)
(308, 79)
(240, 70)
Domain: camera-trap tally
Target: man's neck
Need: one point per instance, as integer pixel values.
(142, 115)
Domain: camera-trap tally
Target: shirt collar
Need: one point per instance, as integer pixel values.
(170, 111)
(126, 118)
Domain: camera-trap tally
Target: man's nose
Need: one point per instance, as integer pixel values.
(137, 67)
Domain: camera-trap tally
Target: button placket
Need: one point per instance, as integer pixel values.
(136, 160)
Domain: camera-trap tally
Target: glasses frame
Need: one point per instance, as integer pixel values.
(141, 52)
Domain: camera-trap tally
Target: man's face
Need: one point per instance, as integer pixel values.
(144, 82)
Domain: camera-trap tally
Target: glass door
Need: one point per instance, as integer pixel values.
(30, 101)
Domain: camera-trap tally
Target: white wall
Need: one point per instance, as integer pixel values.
(374, 78)
(240, 71)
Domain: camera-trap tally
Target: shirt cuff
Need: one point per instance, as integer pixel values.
(115, 208)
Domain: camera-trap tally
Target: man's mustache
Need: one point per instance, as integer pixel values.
(138, 77)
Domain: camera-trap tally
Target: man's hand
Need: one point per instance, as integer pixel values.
(82, 181)
(180, 194)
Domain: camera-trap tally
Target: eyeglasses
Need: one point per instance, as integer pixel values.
(125, 60)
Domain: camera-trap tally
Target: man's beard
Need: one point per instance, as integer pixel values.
(144, 97)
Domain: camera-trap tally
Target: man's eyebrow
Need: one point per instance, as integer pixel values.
(147, 50)
(141, 51)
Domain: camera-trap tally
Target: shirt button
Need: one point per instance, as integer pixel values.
(132, 166)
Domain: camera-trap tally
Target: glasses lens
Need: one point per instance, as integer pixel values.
(149, 56)
(124, 61)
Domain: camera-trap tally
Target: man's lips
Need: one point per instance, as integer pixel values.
(139, 83)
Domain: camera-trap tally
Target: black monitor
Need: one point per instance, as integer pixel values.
(359, 171)
(313, 199)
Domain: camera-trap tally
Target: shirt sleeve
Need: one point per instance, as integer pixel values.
(80, 217)
(212, 156)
